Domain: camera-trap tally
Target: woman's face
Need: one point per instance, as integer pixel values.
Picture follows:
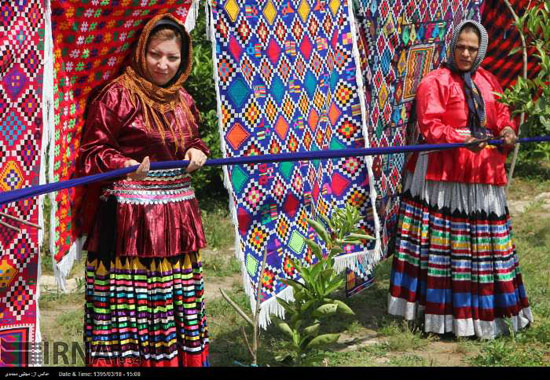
(163, 59)
(466, 50)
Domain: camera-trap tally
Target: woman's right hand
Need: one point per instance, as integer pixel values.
(475, 147)
(141, 171)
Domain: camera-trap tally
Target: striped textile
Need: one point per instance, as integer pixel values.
(160, 186)
(22, 143)
(455, 264)
(503, 38)
(146, 312)
(91, 41)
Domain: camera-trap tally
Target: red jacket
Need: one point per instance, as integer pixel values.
(442, 118)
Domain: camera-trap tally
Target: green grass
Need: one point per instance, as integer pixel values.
(397, 343)
(218, 228)
(64, 325)
(220, 266)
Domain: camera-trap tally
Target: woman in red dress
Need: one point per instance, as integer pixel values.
(144, 284)
(455, 266)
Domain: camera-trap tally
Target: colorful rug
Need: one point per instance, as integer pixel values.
(91, 42)
(399, 42)
(287, 82)
(21, 70)
(503, 38)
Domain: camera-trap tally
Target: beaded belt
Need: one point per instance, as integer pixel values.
(160, 186)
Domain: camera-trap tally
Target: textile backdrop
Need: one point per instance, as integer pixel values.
(21, 71)
(287, 82)
(400, 41)
(503, 38)
(91, 41)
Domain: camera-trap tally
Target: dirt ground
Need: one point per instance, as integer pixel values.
(444, 352)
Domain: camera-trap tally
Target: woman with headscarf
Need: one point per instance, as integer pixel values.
(455, 267)
(144, 285)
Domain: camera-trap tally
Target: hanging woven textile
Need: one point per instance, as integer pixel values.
(21, 72)
(400, 42)
(286, 82)
(91, 41)
(503, 39)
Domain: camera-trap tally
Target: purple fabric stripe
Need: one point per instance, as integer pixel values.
(16, 195)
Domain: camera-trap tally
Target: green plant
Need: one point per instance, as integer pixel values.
(531, 95)
(208, 181)
(312, 297)
(541, 151)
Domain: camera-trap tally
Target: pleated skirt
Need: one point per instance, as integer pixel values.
(455, 268)
(145, 312)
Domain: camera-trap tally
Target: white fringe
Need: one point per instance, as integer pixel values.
(47, 125)
(192, 15)
(270, 306)
(209, 33)
(226, 180)
(367, 258)
(376, 254)
(62, 269)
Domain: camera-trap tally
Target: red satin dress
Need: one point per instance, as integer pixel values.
(114, 133)
(144, 285)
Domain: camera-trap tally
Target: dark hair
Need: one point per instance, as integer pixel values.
(167, 29)
(468, 28)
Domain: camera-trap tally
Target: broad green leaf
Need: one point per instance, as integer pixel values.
(315, 248)
(285, 328)
(296, 285)
(307, 305)
(312, 330)
(343, 308)
(327, 221)
(352, 241)
(334, 285)
(320, 229)
(322, 340)
(286, 305)
(325, 310)
(336, 250)
(361, 236)
(296, 338)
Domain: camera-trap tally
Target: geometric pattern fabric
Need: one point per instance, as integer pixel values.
(92, 41)
(286, 79)
(399, 43)
(21, 71)
(503, 38)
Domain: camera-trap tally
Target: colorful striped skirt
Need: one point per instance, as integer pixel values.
(145, 312)
(144, 285)
(455, 267)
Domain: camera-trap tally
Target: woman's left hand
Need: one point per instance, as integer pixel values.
(509, 137)
(196, 159)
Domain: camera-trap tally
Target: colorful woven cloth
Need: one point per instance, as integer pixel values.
(170, 328)
(503, 38)
(455, 267)
(399, 42)
(286, 80)
(91, 41)
(21, 70)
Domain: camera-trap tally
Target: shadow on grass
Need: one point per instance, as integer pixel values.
(532, 169)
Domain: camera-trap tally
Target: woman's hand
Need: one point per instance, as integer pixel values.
(196, 159)
(141, 171)
(475, 147)
(509, 137)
